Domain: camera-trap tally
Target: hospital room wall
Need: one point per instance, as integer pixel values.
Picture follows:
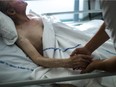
(51, 6)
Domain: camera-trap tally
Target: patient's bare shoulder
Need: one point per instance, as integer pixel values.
(35, 18)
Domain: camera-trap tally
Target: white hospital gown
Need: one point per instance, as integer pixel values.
(109, 14)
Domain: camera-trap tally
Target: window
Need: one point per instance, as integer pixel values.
(51, 6)
(65, 6)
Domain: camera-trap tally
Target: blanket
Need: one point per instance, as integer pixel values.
(59, 40)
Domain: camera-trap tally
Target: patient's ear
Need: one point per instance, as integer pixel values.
(11, 12)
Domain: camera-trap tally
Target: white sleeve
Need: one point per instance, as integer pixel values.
(109, 14)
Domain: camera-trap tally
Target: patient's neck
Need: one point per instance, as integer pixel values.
(20, 19)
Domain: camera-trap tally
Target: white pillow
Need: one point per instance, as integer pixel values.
(7, 29)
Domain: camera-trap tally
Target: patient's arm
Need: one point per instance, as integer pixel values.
(31, 51)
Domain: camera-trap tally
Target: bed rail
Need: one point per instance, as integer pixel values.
(53, 80)
(73, 12)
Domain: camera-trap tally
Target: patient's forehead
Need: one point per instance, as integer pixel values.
(15, 3)
(11, 1)
(8, 0)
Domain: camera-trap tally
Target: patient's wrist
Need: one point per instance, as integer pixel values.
(67, 63)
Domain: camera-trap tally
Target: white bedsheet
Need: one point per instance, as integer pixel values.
(59, 40)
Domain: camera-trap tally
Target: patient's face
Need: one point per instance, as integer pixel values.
(18, 5)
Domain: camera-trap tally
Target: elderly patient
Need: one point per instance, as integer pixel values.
(30, 30)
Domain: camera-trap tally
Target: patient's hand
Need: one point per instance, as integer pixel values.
(80, 61)
(82, 50)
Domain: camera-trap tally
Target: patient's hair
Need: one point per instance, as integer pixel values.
(4, 6)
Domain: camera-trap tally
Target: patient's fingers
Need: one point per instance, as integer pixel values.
(78, 59)
(84, 60)
(86, 57)
(81, 61)
(80, 66)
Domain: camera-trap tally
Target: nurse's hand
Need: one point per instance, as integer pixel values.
(108, 65)
(82, 50)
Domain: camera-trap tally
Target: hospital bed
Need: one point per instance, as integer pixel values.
(61, 79)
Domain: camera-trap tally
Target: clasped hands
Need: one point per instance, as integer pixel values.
(86, 63)
(82, 60)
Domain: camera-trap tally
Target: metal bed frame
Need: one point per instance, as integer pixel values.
(53, 80)
(72, 12)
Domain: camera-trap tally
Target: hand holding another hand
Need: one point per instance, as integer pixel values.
(82, 50)
(80, 61)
